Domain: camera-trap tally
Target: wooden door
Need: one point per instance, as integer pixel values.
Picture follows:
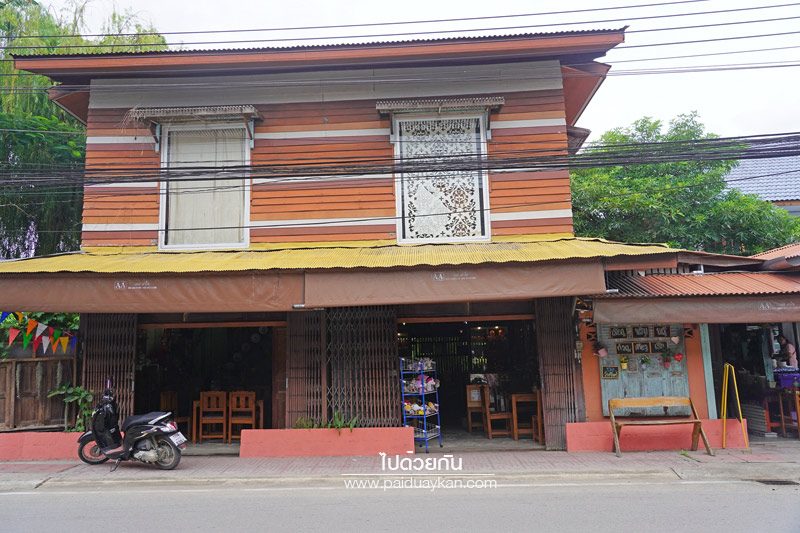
(6, 384)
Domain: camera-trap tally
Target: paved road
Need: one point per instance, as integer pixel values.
(617, 505)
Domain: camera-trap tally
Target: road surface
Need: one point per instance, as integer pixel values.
(615, 506)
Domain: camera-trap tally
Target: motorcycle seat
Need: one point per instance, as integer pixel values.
(140, 420)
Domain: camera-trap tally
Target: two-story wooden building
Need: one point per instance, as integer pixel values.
(291, 220)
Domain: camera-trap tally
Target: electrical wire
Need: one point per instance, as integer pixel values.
(404, 34)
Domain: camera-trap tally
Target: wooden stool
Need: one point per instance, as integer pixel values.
(474, 405)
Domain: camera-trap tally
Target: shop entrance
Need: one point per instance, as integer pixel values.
(183, 363)
(767, 383)
(501, 354)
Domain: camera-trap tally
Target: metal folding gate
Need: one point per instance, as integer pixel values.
(109, 348)
(343, 360)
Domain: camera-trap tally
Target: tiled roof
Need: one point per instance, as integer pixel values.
(714, 284)
(333, 257)
(780, 181)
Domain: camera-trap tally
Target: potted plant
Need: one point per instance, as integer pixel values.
(644, 361)
(623, 362)
(666, 359)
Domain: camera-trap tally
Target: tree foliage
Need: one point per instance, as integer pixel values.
(44, 219)
(685, 204)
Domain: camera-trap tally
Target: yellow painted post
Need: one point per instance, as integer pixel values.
(723, 408)
(728, 371)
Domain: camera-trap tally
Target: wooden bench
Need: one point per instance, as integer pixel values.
(656, 401)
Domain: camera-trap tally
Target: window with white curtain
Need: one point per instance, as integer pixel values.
(205, 207)
(442, 193)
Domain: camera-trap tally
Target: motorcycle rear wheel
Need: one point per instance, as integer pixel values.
(89, 453)
(169, 456)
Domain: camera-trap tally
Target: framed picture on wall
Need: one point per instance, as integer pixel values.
(658, 347)
(618, 332)
(661, 331)
(641, 332)
(625, 348)
(641, 347)
(610, 372)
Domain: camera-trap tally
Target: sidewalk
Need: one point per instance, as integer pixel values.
(766, 460)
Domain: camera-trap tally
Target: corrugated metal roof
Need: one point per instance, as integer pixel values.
(716, 284)
(788, 251)
(331, 257)
(336, 45)
(773, 179)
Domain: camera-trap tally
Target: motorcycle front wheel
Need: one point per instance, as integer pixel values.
(168, 454)
(89, 453)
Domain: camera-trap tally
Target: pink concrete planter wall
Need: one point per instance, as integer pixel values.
(38, 446)
(325, 442)
(597, 437)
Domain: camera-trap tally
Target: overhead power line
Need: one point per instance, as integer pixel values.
(388, 219)
(409, 34)
(371, 24)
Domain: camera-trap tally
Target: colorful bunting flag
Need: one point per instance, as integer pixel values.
(36, 342)
(19, 316)
(40, 329)
(56, 334)
(3, 316)
(12, 334)
(45, 343)
(63, 341)
(31, 324)
(26, 339)
(73, 343)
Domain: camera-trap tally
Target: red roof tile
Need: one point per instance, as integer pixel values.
(714, 284)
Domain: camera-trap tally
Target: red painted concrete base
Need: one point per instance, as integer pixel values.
(597, 437)
(325, 442)
(38, 446)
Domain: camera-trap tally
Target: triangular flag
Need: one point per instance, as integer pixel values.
(12, 334)
(3, 316)
(19, 316)
(31, 324)
(45, 343)
(56, 334)
(73, 342)
(40, 329)
(36, 342)
(63, 341)
(26, 339)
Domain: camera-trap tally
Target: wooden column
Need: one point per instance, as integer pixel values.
(562, 387)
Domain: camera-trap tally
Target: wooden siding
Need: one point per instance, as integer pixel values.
(358, 206)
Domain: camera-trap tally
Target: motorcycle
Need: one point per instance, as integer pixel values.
(149, 438)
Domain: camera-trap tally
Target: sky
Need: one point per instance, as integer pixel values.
(737, 102)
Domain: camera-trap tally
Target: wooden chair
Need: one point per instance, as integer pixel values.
(241, 412)
(490, 416)
(213, 414)
(474, 404)
(169, 402)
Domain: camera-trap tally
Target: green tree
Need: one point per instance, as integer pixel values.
(685, 204)
(40, 219)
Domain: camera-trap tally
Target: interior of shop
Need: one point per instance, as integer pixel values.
(766, 380)
(175, 367)
(498, 354)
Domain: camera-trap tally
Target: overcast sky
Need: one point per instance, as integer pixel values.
(740, 102)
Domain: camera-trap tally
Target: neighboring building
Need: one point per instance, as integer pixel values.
(775, 179)
(289, 221)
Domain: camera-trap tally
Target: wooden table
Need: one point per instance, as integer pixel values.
(790, 395)
(516, 429)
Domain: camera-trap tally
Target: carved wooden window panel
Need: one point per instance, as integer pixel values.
(442, 191)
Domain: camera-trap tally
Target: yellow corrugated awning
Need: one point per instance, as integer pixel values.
(331, 257)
